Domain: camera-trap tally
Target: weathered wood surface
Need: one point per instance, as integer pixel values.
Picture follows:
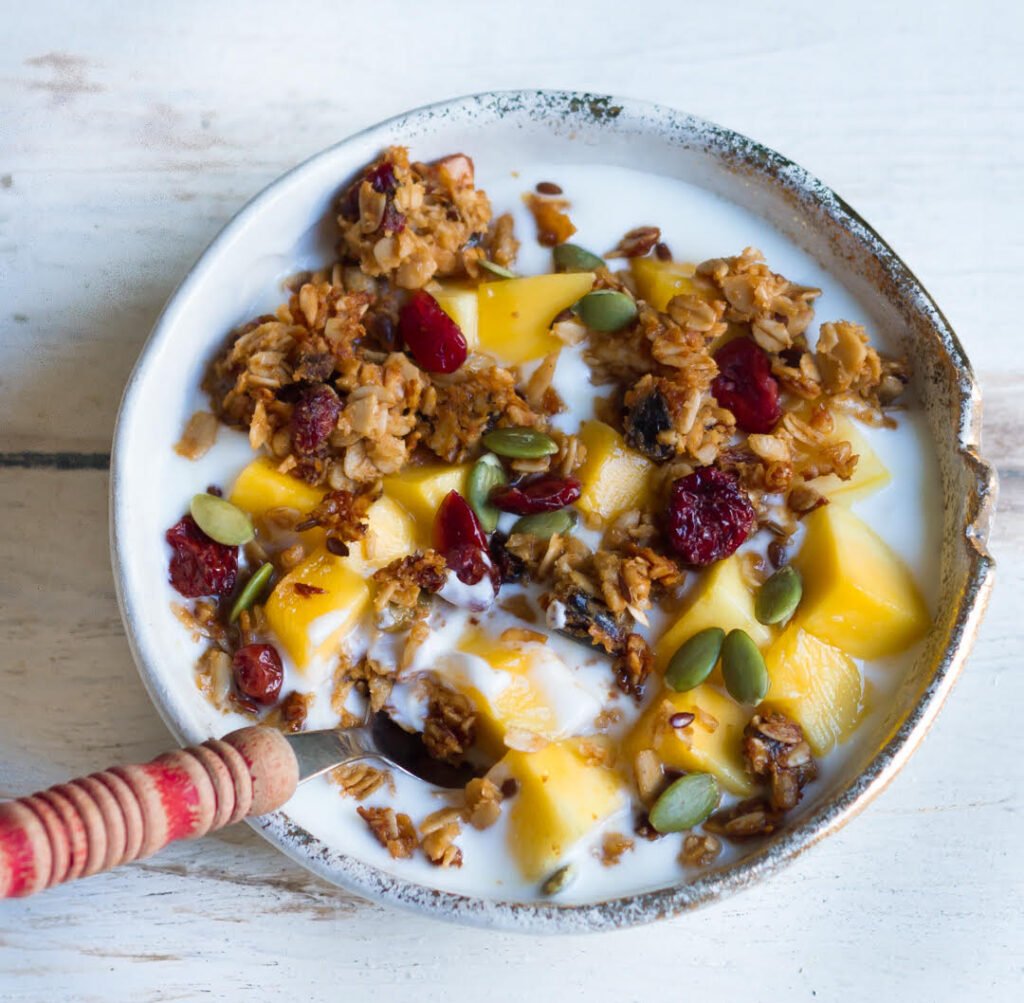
(130, 133)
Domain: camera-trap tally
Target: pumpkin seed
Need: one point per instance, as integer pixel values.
(743, 668)
(573, 258)
(221, 521)
(546, 524)
(685, 803)
(606, 310)
(779, 596)
(495, 269)
(559, 880)
(253, 588)
(695, 659)
(520, 443)
(487, 474)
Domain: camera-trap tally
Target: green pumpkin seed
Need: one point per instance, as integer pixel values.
(221, 521)
(252, 591)
(779, 596)
(498, 270)
(520, 443)
(559, 880)
(546, 524)
(573, 258)
(685, 803)
(694, 660)
(743, 668)
(486, 475)
(606, 310)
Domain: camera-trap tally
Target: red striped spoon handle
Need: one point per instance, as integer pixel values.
(129, 812)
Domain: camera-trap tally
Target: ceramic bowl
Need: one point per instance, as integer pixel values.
(282, 230)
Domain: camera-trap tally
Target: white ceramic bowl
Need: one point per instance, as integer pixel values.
(288, 227)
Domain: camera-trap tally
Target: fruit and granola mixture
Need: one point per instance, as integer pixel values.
(430, 514)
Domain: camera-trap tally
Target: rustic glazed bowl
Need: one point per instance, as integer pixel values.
(562, 128)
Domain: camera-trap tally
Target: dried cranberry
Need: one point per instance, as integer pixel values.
(536, 494)
(314, 417)
(258, 672)
(392, 221)
(746, 387)
(461, 540)
(382, 178)
(709, 516)
(200, 566)
(431, 335)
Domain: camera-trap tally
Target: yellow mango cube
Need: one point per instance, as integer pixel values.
(459, 300)
(658, 281)
(816, 685)
(315, 606)
(515, 315)
(560, 799)
(261, 486)
(712, 744)
(420, 490)
(613, 477)
(390, 533)
(858, 595)
(869, 475)
(722, 598)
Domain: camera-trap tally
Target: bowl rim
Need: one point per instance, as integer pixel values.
(632, 909)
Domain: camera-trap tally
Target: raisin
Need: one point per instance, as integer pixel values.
(746, 387)
(645, 421)
(435, 340)
(536, 494)
(200, 566)
(258, 672)
(709, 516)
(314, 417)
(511, 569)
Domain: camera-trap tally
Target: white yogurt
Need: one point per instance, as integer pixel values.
(606, 201)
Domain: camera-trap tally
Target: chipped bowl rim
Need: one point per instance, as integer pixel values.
(733, 152)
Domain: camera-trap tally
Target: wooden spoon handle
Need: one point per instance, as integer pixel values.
(129, 812)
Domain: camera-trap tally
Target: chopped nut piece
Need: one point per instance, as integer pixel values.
(290, 714)
(613, 846)
(774, 747)
(483, 803)
(393, 831)
(553, 223)
(360, 780)
(750, 818)
(649, 775)
(634, 665)
(699, 850)
(636, 243)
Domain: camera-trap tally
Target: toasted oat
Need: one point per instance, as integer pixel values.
(438, 832)
(343, 514)
(634, 665)
(750, 818)
(522, 635)
(290, 714)
(401, 582)
(201, 620)
(450, 725)
(214, 677)
(393, 831)
(846, 359)
(199, 435)
(648, 774)
(360, 780)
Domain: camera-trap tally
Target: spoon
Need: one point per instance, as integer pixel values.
(99, 822)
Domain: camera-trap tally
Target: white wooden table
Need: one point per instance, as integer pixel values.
(130, 133)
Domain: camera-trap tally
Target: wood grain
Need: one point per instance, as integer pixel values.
(130, 133)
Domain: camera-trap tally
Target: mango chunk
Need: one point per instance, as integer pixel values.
(315, 606)
(420, 490)
(613, 476)
(722, 599)
(390, 533)
(560, 799)
(858, 595)
(712, 744)
(869, 475)
(516, 314)
(816, 685)
(261, 486)
(459, 300)
(658, 281)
